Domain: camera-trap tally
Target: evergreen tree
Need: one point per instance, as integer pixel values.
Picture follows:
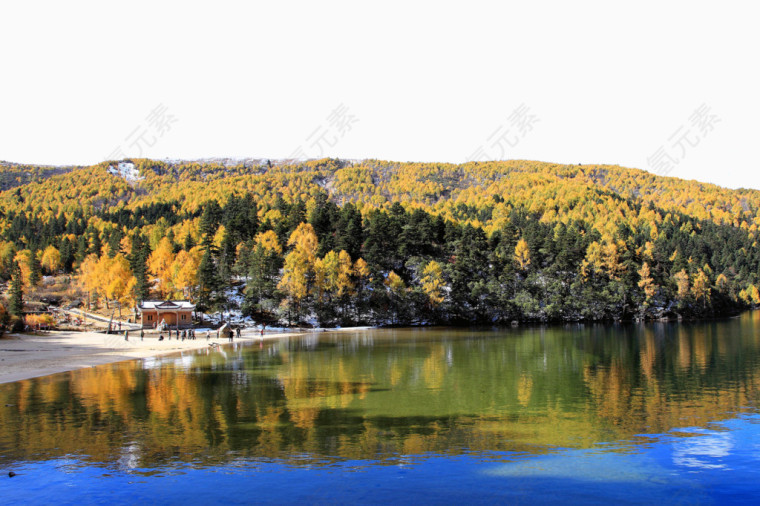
(114, 242)
(94, 244)
(35, 269)
(349, 231)
(323, 218)
(16, 293)
(138, 262)
(67, 254)
(210, 220)
(209, 286)
(188, 243)
(227, 253)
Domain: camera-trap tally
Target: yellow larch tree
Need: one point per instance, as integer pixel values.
(330, 266)
(299, 264)
(361, 270)
(119, 281)
(682, 284)
(700, 287)
(51, 259)
(24, 260)
(750, 295)
(184, 272)
(319, 287)
(361, 275)
(646, 283)
(304, 240)
(397, 289)
(395, 283)
(432, 282)
(125, 245)
(522, 254)
(344, 283)
(269, 241)
(593, 261)
(612, 259)
(721, 282)
(88, 276)
(160, 263)
(294, 279)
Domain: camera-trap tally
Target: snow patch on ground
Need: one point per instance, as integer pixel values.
(127, 171)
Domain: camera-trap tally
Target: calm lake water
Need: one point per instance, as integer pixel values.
(580, 414)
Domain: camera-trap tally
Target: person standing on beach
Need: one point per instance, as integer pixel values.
(126, 335)
(237, 332)
(142, 334)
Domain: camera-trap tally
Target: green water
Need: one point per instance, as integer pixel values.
(600, 404)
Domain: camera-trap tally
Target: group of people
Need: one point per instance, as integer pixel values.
(190, 334)
(178, 334)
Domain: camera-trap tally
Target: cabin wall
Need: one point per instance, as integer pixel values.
(185, 318)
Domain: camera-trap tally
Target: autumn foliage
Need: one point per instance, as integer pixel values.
(384, 242)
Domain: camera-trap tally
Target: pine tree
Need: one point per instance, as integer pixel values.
(209, 287)
(323, 218)
(35, 269)
(138, 262)
(227, 251)
(210, 220)
(264, 266)
(16, 292)
(350, 233)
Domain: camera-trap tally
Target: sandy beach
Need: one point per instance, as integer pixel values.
(24, 356)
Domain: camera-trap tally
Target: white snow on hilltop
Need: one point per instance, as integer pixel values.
(126, 170)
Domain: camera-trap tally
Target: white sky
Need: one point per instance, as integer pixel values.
(601, 82)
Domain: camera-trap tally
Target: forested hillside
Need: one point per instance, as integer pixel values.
(13, 175)
(344, 242)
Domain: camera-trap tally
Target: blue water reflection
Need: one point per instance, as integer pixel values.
(593, 415)
(686, 466)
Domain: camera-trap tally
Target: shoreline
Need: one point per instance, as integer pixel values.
(26, 356)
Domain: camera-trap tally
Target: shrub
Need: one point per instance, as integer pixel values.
(42, 320)
(17, 324)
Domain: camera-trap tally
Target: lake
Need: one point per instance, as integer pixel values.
(660, 412)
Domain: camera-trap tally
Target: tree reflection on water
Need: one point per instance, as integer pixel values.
(384, 395)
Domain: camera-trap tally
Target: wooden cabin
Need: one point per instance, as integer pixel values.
(175, 313)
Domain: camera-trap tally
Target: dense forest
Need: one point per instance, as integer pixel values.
(334, 242)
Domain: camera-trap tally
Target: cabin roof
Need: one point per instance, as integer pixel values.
(172, 305)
